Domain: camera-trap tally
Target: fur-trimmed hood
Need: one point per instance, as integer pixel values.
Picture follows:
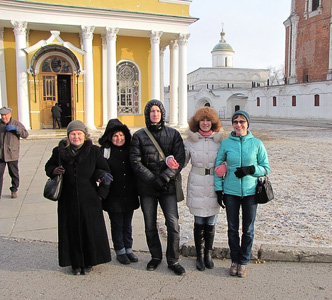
(114, 125)
(205, 112)
(195, 136)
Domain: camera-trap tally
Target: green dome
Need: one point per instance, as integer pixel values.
(222, 45)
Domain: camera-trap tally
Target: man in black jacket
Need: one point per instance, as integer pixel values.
(156, 183)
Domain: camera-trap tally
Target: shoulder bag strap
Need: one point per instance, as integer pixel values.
(155, 143)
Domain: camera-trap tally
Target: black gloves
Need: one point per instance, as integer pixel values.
(244, 171)
(106, 179)
(220, 198)
(160, 184)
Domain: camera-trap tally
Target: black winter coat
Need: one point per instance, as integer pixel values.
(145, 159)
(83, 239)
(122, 196)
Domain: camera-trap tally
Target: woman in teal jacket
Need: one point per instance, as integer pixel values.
(246, 160)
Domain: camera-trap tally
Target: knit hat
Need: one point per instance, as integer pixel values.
(5, 110)
(241, 113)
(201, 114)
(76, 125)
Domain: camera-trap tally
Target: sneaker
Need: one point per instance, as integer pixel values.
(177, 269)
(242, 271)
(87, 269)
(13, 195)
(233, 269)
(153, 264)
(123, 259)
(132, 257)
(76, 271)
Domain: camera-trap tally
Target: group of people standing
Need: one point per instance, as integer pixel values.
(128, 171)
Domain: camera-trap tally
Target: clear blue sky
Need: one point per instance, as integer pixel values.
(254, 29)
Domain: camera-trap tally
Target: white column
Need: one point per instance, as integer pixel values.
(3, 90)
(161, 63)
(112, 106)
(104, 78)
(155, 66)
(174, 83)
(89, 110)
(183, 96)
(20, 30)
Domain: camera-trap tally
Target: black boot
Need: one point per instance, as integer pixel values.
(209, 237)
(199, 244)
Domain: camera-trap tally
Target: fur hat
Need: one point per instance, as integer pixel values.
(77, 125)
(202, 113)
(241, 113)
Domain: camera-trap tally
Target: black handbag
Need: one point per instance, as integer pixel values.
(178, 177)
(264, 191)
(53, 187)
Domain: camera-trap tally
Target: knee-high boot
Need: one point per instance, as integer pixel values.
(209, 237)
(199, 244)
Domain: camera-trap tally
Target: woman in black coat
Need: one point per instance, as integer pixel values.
(83, 240)
(122, 199)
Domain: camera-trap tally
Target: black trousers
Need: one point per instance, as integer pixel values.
(13, 173)
(56, 120)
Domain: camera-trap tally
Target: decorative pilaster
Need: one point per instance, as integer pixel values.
(89, 111)
(329, 74)
(183, 94)
(3, 90)
(155, 64)
(112, 107)
(20, 32)
(174, 83)
(293, 28)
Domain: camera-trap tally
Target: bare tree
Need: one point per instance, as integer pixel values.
(276, 75)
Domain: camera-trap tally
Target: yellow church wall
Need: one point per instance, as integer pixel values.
(137, 50)
(147, 6)
(10, 66)
(98, 79)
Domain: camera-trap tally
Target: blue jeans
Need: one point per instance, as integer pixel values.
(240, 253)
(169, 207)
(121, 230)
(206, 220)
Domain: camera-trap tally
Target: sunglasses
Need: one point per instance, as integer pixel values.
(239, 122)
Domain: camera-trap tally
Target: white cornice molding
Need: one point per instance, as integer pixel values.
(184, 2)
(86, 12)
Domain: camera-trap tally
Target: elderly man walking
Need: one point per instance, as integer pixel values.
(10, 133)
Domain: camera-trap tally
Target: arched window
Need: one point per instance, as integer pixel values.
(258, 101)
(316, 97)
(128, 84)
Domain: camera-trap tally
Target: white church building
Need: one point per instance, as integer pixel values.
(306, 94)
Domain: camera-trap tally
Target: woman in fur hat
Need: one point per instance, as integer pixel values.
(201, 148)
(122, 199)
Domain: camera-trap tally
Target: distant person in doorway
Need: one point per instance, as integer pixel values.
(56, 114)
(10, 133)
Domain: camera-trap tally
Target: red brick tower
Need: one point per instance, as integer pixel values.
(309, 41)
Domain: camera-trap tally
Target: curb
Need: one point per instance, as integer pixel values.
(266, 252)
